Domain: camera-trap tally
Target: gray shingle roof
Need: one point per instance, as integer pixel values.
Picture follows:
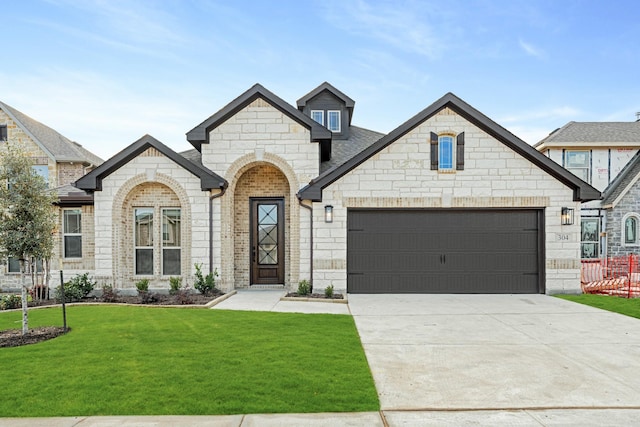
(593, 132)
(343, 150)
(622, 181)
(59, 147)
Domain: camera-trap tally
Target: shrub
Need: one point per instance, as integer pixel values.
(328, 291)
(142, 285)
(76, 289)
(109, 294)
(39, 292)
(206, 285)
(175, 283)
(8, 302)
(304, 288)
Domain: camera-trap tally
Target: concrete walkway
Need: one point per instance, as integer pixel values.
(455, 360)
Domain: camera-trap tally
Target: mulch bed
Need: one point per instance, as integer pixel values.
(14, 337)
(318, 296)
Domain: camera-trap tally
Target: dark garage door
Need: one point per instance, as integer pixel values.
(444, 251)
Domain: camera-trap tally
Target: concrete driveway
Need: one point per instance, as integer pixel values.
(457, 352)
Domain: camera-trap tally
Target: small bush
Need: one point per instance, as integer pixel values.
(147, 297)
(8, 302)
(206, 285)
(76, 289)
(328, 291)
(142, 285)
(109, 294)
(304, 288)
(175, 283)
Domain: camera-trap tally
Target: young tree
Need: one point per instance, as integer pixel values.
(27, 215)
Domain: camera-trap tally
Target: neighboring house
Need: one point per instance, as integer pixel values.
(448, 202)
(60, 161)
(603, 154)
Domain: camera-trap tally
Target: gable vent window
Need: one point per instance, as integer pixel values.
(3, 133)
(333, 120)
(318, 116)
(447, 152)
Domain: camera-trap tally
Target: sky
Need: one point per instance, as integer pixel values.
(106, 72)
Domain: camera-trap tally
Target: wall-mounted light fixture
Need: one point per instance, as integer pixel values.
(566, 216)
(328, 213)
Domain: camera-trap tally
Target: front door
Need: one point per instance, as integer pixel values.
(267, 241)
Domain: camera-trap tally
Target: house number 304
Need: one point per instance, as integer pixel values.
(562, 236)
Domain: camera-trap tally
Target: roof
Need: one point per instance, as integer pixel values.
(622, 183)
(582, 191)
(93, 180)
(348, 102)
(593, 133)
(343, 150)
(200, 134)
(58, 147)
(68, 195)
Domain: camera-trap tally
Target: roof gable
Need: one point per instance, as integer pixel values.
(58, 147)
(348, 102)
(626, 179)
(582, 190)
(200, 134)
(93, 180)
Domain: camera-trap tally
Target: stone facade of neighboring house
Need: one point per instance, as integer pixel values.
(272, 194)
(604, 154)
(60, 161)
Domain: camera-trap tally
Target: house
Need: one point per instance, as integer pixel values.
(272, 194)
(603, 154)
(60, 161)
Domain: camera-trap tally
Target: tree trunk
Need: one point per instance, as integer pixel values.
(25, 318)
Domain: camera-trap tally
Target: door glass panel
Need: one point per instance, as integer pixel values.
(267, 234)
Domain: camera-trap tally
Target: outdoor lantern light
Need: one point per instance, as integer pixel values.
(566, 216)
(328, 213)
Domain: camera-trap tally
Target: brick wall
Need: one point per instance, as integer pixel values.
(69, 172)
(494, 176)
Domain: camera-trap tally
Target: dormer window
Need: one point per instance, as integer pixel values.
(333, 120)
(318, 116)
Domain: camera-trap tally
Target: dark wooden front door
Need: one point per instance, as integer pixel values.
(267, 241)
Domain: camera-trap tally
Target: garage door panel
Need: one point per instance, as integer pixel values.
(452, 251)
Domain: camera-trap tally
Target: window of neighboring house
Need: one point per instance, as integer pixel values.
(72, 233)
(43, 171)
(579, 164)
(143, 240)
(590, 237)
(3, 133)
(318, 116)
(14, 265)
(630, 229)
(333, 120)
(171, 241)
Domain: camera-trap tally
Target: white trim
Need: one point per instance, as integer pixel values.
(163, 247)
(321, 116)
(453, 153)
(623, 231)
(65, 233)
(135, 247)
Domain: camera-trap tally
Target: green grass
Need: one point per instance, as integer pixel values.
(629, 307)
(146, 361)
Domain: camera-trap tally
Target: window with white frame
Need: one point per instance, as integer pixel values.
(42, 170)
(318, 116)
(72, 233)
(579, 164)
(446, 153)
(171, 241)
(630, 223)
(590, 237)
(143, 241)
(333, 120)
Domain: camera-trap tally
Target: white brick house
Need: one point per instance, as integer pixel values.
(271, 195)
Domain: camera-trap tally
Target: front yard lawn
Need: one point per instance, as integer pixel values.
(146, 361)
(627, 306)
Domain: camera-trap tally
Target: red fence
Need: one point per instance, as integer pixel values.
(612, 276)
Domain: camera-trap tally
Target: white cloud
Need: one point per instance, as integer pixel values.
(532, 50)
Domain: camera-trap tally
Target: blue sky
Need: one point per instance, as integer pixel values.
(106, 72)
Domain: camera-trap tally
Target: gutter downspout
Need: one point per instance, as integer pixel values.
(310, 243)
(215, 196)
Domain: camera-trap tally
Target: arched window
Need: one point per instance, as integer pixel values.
(630, 229)
(446, 152)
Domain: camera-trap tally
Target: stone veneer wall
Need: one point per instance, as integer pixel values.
(629, 204)
(399, 176)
